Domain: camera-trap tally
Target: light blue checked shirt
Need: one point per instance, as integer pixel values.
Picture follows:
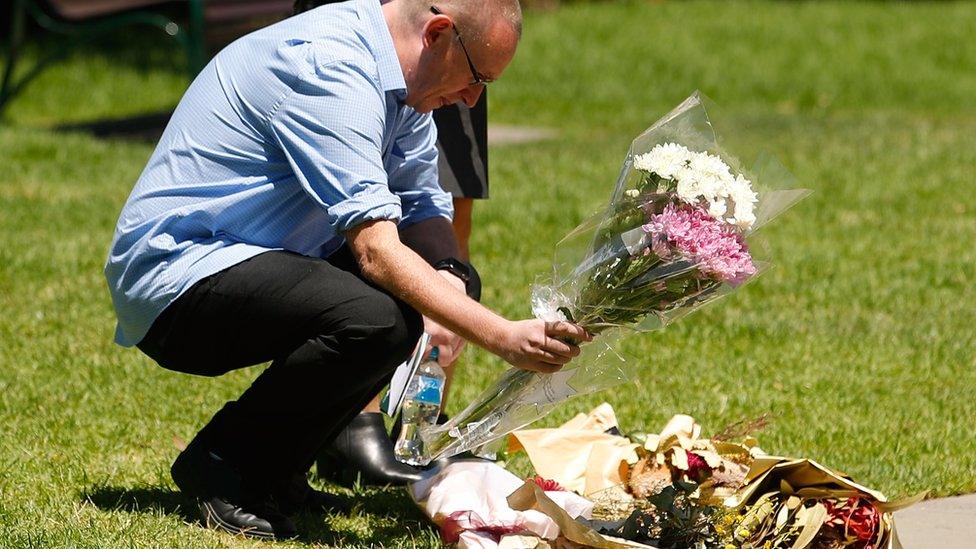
(291, 136)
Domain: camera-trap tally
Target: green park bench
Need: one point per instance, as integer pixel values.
(208, 24)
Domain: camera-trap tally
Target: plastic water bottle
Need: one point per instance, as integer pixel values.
(421, 406)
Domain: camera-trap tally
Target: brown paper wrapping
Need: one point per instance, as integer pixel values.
(530, 496)
(579, 455)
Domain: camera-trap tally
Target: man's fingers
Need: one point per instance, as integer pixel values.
(552, 358)
(445, 355)
(561, 348)
(454, 350)
(567, 330)
(450, 352)
(459, 346)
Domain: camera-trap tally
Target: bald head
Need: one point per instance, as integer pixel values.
(473, 13)
(475, 17)
(448, 49)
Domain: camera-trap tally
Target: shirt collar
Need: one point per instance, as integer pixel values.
(387, 62)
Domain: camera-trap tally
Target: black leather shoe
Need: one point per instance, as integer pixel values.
(364, 451)
(296, 496)
(225, 503)
(259, 519)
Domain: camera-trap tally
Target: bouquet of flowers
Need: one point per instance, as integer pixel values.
(682, 490)
(672, 238)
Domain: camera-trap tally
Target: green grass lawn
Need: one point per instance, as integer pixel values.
(860, 342)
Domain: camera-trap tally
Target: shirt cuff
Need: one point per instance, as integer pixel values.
(372, 203)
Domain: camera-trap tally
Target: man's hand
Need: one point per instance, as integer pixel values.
(527, 344)
(449, 344)
(541, 346)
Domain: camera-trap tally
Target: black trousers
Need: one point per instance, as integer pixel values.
(334, 340)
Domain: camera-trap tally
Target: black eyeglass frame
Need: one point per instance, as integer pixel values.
(479, 79)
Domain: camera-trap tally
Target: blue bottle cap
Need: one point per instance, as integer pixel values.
(434, 353)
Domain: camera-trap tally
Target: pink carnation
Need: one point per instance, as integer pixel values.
(716, 249)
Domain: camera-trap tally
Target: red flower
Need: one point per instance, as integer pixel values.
(698, 469)
(547, 485)
(854, 517)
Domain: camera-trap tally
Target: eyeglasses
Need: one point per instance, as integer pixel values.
(478, 78)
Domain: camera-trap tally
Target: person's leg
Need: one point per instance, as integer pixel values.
(334, 340)
(462, 225)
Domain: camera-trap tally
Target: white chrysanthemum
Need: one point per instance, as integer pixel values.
(741, 190)
(743, 220)
(665, 160)
(688, 188)
(743, 200)
(711, 188)
(643, 162)
(717, 209)
(703, 179)
(745, 211)
(709, 167)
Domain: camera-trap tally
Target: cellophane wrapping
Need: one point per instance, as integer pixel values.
(677, 233)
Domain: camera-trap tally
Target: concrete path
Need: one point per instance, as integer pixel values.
(505, 135)
(947, 523)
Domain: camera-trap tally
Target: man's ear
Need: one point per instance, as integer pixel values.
(437, 28)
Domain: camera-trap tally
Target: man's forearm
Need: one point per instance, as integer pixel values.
(387, 261)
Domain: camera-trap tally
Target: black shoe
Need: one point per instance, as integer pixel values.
(296, 496)
(260, 519)
(225, 503)
(364, 451)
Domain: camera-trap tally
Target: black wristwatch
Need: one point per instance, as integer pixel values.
(466, 272)
(456, 267)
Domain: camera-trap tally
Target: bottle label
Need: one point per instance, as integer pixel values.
(431, 389)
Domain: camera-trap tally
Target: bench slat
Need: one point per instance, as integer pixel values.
(230, 10)
(80, 10)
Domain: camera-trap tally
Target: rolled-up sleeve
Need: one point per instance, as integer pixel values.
(330, 128)
(414, 180)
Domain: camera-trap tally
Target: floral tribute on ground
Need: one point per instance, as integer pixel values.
(672, 238)
(677, 489)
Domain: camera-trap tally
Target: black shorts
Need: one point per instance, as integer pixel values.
(462, 146)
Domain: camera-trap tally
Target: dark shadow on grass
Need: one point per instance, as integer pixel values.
(149, 499)
(396, 512)
(392, 507)
(387, 503)
(138, 47)
(143, 50)
(144, 127)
